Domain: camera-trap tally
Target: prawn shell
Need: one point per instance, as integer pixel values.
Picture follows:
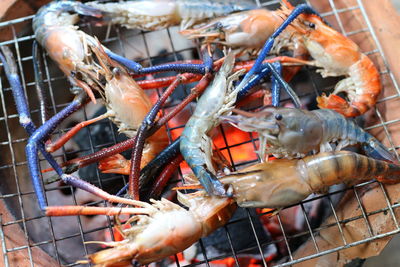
(338, 55)
(159, 239)
(280, 183)
(67, 52)
(268, 185)
(214, 211)
(127, 100)
(167, 230)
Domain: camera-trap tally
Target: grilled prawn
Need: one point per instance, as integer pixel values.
(164, 229)
(195, 144)
(337, 55)
(246, 29)
(155, 15)
(127, 106)
(283, 182)
(292, 132)
(55, 31)
(249, 30)
(83, 59)
(333, 53)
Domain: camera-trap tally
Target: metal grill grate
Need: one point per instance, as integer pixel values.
(45, 232)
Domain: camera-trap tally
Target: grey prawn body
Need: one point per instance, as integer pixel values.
(293, 133)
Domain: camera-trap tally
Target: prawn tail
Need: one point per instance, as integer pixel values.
(210, 182)
(338, 104)
(375, 149)
(115, 164)
(391, 174)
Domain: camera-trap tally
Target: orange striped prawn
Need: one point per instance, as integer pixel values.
(283, 182)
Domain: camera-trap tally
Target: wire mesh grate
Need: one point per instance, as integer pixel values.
(150, 48)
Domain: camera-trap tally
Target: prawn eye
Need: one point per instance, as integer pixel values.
(311, 25)
(278, 117)
(219, 26)
(116, 72)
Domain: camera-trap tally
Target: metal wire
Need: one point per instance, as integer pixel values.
(19, 195)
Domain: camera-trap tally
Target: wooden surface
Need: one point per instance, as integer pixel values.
(386, 22)
(14, 238)
(13, 9)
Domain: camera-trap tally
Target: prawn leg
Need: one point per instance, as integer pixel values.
(67, 136)
(282, 83)
(140, 137)
(170, 152)
(166, 81)
(257, 67)
(85, 210)
(275, 86)
(278, 82)
(25, 120)
(39, 85)
(35, 143)
(179, 67)
(163, 178)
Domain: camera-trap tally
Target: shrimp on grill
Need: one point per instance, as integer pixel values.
(83, 59)
(127, 106)
(246, 29)
(283, 182)
(155, 15)
(333, 53)
(195, 144)
(249, 30)
(161, 229)
(337, 55)
(55, 31)
(291, 132)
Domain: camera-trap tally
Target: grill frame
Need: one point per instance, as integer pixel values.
(18, 162)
